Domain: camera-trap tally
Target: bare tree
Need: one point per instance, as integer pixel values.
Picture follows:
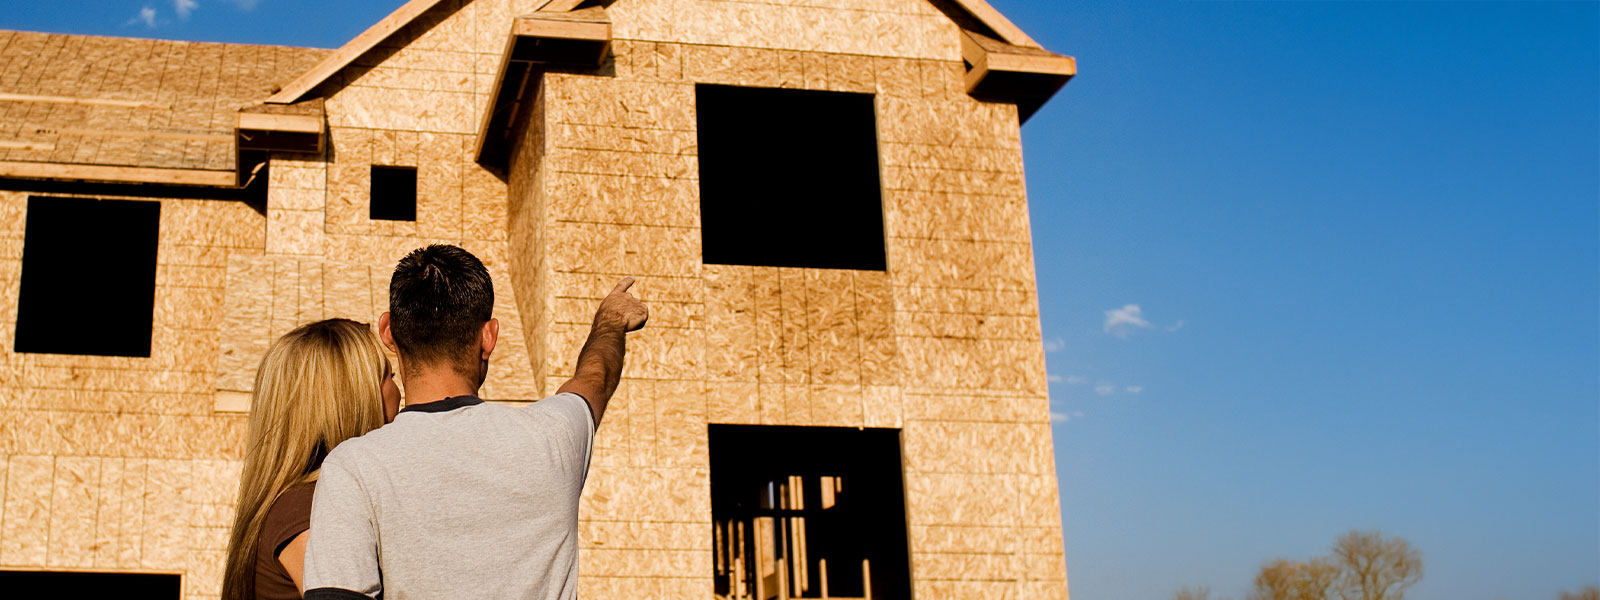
(1284, 579)
(1588, 593)
(1374, 568)
(1198, 592)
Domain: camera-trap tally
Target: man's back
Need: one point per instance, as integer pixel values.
(456, 498)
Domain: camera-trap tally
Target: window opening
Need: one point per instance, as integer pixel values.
(88, 277)
(394, 193)
(77, 584)
(789, 178)
(808, 512)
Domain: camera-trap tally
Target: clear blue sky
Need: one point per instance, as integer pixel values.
(1364, 243)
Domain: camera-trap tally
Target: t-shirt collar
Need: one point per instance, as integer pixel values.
(445, 405)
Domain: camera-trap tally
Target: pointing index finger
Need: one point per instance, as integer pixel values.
(622, 286)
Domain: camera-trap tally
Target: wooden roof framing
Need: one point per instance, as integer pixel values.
(297, 90)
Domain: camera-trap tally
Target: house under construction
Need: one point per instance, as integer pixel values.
(842, 390)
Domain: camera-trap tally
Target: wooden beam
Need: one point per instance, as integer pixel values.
(1027, 77)
(571, 40)
(559, 5)
(283, 123)
(297, 90)
(561, 30)
(58, 171)
(999, 23)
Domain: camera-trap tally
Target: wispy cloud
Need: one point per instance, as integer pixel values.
(146, 17)
(1123, 321)
(245, 4)
(1105, 389)
(1133, 389)
(184, 7)
(1054, 345)
(1065, 416)
(1175, 327)
(1053, 378)
(1076, 380)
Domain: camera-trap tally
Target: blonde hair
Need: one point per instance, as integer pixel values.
(317, 386)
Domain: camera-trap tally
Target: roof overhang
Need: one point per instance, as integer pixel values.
(578, 40)
(1003, 72)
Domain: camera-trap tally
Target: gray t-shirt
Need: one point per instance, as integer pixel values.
(455, 499)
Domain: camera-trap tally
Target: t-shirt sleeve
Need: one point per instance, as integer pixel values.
(289, 516)
(570, 427)
(342, 551)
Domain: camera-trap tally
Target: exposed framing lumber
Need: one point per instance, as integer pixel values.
(593, 31)
(1026, 76)
(283, 123)
(559, 5)
(296, 90)
(998, 22)
(578, 40)
(66, 172)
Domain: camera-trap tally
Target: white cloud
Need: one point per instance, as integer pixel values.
(1077, 380)
(245, 4)
(1176, 327)
(1053, 379)
(1063, 417)
(1133, 389)
(184, 7)
(1122, 321)
(1054, 345)
(146, 16)
(1105, 389)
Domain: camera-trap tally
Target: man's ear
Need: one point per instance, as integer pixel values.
(386, 336)
(488, 336)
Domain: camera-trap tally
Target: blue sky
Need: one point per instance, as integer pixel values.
(1303, 268)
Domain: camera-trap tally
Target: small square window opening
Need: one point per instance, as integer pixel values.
(394, 193)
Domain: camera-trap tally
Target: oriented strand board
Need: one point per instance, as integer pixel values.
(120, 463)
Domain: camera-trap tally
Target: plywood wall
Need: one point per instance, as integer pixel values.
(132, 463)
(116, 463)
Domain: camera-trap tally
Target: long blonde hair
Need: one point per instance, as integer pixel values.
(317, 386)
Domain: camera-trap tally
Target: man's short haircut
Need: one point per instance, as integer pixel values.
(439, 299)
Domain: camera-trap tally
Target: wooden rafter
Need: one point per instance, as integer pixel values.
(998, 22)
(76, 172)
(296, 90)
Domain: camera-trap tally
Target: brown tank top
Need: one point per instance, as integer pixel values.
(288, 517)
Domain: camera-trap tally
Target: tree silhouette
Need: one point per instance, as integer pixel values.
(1374, 568)
(1362, 566)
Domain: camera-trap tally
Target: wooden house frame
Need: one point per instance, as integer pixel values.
(557, 140)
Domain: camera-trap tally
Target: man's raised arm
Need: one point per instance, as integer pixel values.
(599, 366)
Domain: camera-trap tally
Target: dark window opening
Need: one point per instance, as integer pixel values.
(88, 277)
(789, 178)
(70, 584)
(808, 512)
(394, 193)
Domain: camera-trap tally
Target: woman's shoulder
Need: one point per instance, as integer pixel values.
(289, 515)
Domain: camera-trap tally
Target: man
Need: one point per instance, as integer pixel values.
(459, 498)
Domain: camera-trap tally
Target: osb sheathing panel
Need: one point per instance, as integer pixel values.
(118, 463)
(902, 28)
(132, 102)
(945, 345)
(267, 296)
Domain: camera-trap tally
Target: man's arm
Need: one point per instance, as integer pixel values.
(599, 367)
(341, 558)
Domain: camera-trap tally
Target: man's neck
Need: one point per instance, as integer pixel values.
(433, 384)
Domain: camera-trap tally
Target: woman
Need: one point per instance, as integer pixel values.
(317, 386)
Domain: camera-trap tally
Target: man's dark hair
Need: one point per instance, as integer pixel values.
(439, 299)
